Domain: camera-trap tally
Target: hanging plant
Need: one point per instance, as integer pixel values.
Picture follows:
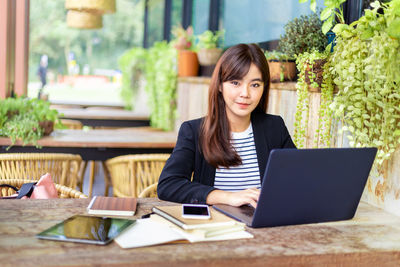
(366, 66)
(325, 113)
(161, 82)
(132, 64)
(314, 75)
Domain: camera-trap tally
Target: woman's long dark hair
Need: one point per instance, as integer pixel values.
(234, 64)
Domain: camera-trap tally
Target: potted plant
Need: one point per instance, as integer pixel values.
(208, 47)
(365, 66)
(313, 80)
(281, 66)
(303, 34)
(26, 119)
(188, 64)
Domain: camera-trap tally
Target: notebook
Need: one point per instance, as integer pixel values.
(112, 206)
(308, 186)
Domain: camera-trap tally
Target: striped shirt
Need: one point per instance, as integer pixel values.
(243, 176)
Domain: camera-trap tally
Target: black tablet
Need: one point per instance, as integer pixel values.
(86, 229)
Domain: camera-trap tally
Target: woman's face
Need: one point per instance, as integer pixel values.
(242, 96)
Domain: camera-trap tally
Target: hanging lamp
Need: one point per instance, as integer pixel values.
(92, 6)
(84, 20)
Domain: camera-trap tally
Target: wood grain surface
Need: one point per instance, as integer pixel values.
(137, 137)
(372, 238)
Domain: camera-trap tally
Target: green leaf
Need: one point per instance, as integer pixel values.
(313, 5)
(394, 28)
(367, 34)
(340, 27)
(375, 4)
(302, 1)
(327, 25)
(326, 13)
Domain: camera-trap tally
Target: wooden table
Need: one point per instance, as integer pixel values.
(99, 144)
(371, 239)
(104, 117)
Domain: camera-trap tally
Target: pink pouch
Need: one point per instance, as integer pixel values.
(44, 189)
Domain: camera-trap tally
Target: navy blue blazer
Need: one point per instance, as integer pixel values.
(174, 184)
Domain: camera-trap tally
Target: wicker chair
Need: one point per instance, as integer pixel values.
(76, 125)
(64, 168)
(150, 191)
(131, 174)
(63, 191)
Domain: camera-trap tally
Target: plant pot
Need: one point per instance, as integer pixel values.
(210, 56)
(317, 69)
(282, 71)
(48, 126)
(188, 64)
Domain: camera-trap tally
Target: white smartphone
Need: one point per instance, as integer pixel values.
(195, 211)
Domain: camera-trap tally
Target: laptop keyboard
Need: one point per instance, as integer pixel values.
(247, 210)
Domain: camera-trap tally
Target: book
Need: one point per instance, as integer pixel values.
(174, 214)
(202, 234)
(157, 230)
(112, 206)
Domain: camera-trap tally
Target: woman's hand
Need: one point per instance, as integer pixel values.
(244, 197)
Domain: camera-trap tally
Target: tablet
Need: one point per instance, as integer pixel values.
(87, 229)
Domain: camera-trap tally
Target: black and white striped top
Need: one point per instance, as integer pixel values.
(246, 175)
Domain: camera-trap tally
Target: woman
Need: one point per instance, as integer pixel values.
(228, 149)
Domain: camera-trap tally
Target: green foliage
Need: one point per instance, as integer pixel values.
(277, 56)
(209, 39)
(392, 17)
(333, 9)
(20, 118)
(366, 67)
(308, 78)
(161, 82)
(157, 65)
(25, 127)
(132, 64)
(303, 34)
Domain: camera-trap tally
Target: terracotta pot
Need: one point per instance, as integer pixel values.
(188, 64)
(48, 126)
(208, 57)
(287, 69)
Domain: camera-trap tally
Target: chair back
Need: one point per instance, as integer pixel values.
(64, 168)
(131, 174)
(150, 191)
(63, 191)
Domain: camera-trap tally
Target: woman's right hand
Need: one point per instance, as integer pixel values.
(239, 198)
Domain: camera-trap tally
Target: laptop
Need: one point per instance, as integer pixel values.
(308, 186)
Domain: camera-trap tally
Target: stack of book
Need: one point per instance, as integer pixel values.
(166, 225)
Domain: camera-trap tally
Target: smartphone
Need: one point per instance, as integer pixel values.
(195, 211)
